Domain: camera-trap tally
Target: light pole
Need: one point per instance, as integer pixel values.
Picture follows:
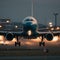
(55, 14)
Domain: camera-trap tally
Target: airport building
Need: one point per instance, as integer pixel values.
(6, 24)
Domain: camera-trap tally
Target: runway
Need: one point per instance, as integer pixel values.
(19, 51)
(31, 58)
(30, 48)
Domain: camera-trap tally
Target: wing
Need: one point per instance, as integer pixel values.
(49, 30)
(49, 34)
(10, 34)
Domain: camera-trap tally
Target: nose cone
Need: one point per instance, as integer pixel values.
(29, 19)
(29, 23)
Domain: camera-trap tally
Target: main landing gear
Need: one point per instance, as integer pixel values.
(43, 44)
(17, 43)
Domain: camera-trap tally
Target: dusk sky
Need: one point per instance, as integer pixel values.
(17, 10)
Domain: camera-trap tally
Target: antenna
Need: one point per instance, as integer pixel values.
(32, 8)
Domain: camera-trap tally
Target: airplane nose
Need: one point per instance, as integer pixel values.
(29, 23)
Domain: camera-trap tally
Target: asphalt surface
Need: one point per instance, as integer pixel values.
(31, 50)
(30, 58)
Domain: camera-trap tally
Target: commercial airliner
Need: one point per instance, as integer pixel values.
(30, 31)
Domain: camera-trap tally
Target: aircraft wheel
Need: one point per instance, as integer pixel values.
(17, 43)
(41, 43)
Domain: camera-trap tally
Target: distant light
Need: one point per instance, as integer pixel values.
(52, 28)
(16, 26)
(7, 21)
(0, 26)
(57, 28)
(50, 24)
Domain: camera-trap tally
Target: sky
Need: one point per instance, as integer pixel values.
(43, 10)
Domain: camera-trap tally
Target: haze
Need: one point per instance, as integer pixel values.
(17, 10)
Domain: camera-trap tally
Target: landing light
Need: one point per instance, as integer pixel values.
(29, 32)
(52, 28)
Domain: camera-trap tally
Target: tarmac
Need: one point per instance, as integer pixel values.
(31, 52)
(30, 58)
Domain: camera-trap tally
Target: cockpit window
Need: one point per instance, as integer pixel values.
(29, 20)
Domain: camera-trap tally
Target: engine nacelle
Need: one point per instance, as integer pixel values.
(9, 36)
(49, 36)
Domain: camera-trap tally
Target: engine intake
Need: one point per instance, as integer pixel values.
(9, 36)
(49, 36)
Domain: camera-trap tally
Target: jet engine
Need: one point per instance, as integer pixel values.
(49, 36)
(9, 36)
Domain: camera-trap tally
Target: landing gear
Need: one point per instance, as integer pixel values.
(17, 43)
(42, 43)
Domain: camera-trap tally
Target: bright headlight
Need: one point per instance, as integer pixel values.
(29, 32)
